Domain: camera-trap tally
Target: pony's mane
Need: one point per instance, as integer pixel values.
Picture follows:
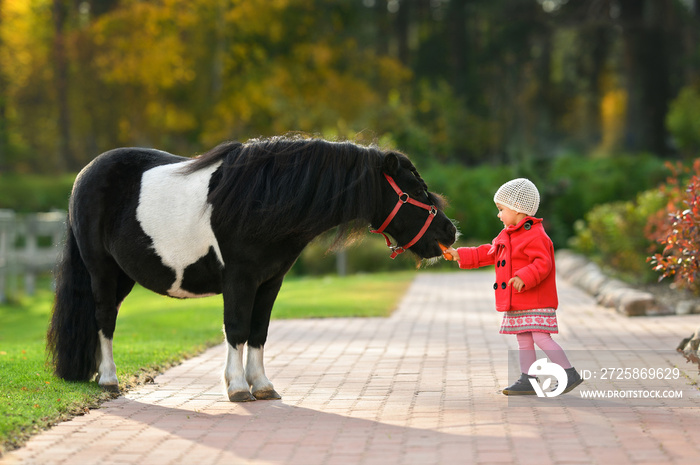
(286, 186)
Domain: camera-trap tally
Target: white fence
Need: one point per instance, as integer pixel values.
(29, 245)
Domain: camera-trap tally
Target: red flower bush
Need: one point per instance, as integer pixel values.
(678, 229)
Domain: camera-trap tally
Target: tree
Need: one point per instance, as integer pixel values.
(466, 80)
(60, 81)
(208, 71)
(4, 139)
(646, 52)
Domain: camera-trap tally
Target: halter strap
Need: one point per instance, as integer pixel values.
(404, 198)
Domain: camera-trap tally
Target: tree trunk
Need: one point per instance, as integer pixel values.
(402, 28)
(457, 19)
(646, 70)
(60, 80)
(4, 139)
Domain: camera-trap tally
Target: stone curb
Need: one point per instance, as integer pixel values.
(608, 292)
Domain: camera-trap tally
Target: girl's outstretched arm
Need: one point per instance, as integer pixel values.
(472, 257)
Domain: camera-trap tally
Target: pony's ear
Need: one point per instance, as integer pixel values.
(391, 164)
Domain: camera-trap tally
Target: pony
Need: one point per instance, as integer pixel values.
(231, 221)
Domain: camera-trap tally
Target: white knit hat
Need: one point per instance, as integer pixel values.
(519, 195)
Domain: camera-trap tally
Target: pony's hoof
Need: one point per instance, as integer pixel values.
(267, 394)
(240, 396)
(113, 388)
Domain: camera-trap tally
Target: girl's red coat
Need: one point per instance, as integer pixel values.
(523, 250)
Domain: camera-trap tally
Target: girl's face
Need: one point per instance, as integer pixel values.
(509, 217)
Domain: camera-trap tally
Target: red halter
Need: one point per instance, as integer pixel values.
(404, 198)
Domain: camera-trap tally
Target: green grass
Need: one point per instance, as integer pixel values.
(153, 333)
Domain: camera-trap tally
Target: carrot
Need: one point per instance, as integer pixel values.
(446, 255)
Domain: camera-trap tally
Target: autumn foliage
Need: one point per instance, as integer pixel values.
(677, 228)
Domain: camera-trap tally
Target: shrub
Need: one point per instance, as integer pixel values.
(570, 186)
(576, 185)
(613, 234)
(469, 192)
(35, 193)
(683, 120)
(368, 255)
(680, 232)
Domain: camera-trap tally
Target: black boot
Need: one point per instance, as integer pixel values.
(521, 387)
(573, 379)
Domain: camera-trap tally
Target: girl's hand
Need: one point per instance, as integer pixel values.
(451, 253)
(517, 283)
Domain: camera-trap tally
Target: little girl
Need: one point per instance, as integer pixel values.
(525, 284)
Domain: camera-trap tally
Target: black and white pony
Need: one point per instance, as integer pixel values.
(232, 221)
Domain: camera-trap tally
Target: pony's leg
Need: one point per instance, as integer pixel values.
(239, 295)
(236, 386)
(106, 315)
(260, 385)
(106, 368)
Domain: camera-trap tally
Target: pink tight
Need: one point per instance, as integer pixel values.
(526, 344)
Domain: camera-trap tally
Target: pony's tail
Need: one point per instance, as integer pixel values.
(72, 339)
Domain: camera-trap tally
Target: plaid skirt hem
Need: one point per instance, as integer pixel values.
(542, 320)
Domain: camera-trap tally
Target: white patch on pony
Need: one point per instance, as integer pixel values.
(173, 211)
(107, 370)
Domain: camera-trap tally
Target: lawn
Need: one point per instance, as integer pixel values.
(153, 333)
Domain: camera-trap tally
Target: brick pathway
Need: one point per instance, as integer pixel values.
(421, 387)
